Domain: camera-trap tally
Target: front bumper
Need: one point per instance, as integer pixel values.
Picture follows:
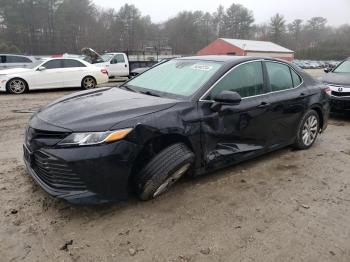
(3, 85)
(84, 175)
(340, 104)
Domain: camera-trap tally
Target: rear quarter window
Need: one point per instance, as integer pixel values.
(296, 78)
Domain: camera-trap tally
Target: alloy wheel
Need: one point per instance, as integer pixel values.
(310, 129)
(17, 86)
(89, 83)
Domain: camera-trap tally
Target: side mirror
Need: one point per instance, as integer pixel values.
(114, 61)
(228, 97)
(41, 68)
(327, 69)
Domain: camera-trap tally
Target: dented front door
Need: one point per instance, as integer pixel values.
(235, 132)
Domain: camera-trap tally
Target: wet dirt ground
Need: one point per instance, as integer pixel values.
(286, 206)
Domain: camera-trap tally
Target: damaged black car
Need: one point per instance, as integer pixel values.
(186, 116)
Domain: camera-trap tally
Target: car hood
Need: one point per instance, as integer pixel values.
(14, 71)
(337, 78)
(100, 110)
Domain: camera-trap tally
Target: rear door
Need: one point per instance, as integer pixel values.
(288, 100)
(73, 72)
(119, 66)
(237, 132)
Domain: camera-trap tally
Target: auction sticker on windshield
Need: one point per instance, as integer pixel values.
(201, 67)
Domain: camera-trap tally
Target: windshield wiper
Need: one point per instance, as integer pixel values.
(149, 93)
(127, 88)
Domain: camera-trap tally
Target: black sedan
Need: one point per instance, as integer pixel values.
(186, 116)
(338, 80)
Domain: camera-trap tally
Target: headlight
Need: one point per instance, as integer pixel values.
(94, 138)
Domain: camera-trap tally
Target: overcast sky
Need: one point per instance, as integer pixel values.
(336, 11)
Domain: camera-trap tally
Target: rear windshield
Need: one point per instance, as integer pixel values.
(177, 77)
(343, 67)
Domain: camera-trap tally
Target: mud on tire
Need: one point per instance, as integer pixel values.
(166, 167)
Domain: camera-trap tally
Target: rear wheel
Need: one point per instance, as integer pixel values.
(88, 82)
(16, 86)
(308, 130)
(163, 171)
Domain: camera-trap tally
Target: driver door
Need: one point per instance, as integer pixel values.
(50, 77)
(232, 133)
(118, 66)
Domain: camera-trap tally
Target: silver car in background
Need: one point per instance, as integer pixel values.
(16, 61)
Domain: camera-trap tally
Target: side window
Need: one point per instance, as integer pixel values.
(296, 78)
(57, 63)
(2, 59)
(279, 75)
(247, 80)
(17, 59)
(118, 59)
(68, 63)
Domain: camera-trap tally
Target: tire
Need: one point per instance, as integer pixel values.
(88, 82)
(16, 86)
(308, 130)
(163, 170)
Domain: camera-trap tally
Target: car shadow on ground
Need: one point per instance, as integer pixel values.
(340, 117)
(180, 188)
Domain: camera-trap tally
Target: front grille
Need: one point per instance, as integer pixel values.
(36, 138)
(334, 93)
(55, 173)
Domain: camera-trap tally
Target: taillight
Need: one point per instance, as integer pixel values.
(104, 71)
(327, 90)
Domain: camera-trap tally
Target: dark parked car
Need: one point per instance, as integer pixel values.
(189, 115)
(338, 80)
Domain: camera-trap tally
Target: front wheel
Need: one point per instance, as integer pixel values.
(163, 171)
(16, 86)
(88, 82)
(308, 130)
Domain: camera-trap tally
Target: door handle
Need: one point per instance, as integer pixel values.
(263, 105)
(302, 94)
(126, 65)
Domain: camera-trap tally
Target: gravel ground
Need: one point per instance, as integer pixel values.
(285, 206)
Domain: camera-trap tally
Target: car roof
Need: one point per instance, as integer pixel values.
(229, 59)
(16, 55)
(65, 58)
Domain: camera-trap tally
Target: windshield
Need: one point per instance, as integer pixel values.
(343, 67)
(35, 64)
(176, 77)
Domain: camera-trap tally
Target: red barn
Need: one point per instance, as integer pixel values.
(239, 47)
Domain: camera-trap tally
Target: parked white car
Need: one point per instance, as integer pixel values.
(53, 73)
(15, 61)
